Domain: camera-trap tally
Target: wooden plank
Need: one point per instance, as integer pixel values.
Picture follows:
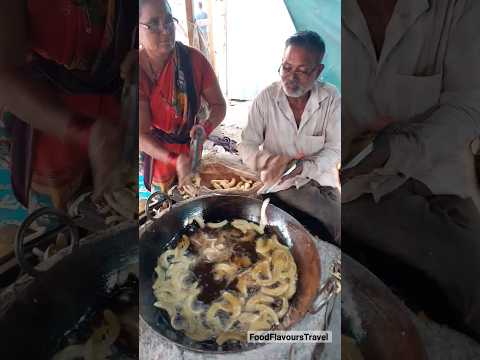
(141, 207)
(211, 47)
(190, 20)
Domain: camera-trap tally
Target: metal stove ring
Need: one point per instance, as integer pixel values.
(163, 198)
(65, 220)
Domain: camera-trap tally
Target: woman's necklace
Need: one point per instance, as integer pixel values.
(155, 74)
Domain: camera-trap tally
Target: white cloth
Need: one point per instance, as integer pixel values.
(272, 130)
(428, 79)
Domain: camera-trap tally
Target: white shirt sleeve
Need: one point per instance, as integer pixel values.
(328, 158)
(253, 136)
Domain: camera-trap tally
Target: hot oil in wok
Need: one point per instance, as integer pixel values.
(210, 287)
(220, 281)
(203, 270)
(123, 302)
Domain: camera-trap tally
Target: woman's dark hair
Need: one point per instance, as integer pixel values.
(308, 40)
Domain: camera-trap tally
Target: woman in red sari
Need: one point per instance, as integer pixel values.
(174, 79)
(59, 86)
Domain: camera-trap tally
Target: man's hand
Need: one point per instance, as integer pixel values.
(184, 170)
(274, 169)
(298, 170)
(376, 159)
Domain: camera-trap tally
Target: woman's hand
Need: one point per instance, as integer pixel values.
(128, 65)
(105, 153)
(199, 128)
(184, 169)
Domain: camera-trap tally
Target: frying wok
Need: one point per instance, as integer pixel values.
(32, 323)
(389, 330)
(163, 233)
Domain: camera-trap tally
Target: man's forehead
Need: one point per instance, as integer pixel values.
(297, 55)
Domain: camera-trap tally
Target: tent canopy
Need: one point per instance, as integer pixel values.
(256, 34)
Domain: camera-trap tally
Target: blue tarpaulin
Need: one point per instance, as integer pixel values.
(322, 16)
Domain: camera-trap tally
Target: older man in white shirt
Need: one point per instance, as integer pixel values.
(411, 70)
(297, 119)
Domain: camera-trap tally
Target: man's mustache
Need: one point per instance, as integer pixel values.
(291, 83)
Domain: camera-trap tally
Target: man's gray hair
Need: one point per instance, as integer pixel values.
(308, 40)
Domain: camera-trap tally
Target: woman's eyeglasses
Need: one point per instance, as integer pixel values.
(158, 28)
